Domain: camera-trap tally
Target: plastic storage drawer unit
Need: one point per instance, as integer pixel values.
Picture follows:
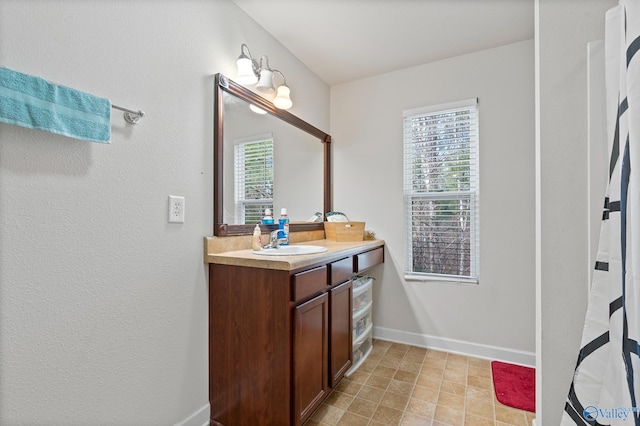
(361, 349)
(362, 296)
(362, 322)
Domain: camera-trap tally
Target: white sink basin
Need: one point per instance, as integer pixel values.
(291, 250)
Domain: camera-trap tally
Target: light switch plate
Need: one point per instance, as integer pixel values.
(176, 209)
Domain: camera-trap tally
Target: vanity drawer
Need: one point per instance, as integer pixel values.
(341, 270)
(309, 282)
(368, 259)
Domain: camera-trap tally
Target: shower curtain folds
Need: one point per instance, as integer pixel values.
(606, 383)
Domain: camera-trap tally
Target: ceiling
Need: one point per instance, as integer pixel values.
(346, 40)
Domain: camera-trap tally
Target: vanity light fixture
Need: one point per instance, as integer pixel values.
(282, 100)
(250, 72)
(265, 83)
(246, 68)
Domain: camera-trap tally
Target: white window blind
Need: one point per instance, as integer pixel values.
(441, 192)
(253, 166)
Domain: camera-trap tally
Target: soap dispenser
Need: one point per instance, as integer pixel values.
(256, 242)
(283, 226)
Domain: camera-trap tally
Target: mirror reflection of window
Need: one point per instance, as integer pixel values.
(253, 178)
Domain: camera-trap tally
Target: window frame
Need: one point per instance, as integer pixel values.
(473, 194)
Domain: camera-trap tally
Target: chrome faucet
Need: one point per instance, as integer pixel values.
(274, 241)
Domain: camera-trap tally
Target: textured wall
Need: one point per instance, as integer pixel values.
(103, 304)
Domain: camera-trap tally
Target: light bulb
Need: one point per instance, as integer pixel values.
(256, 109)
(282, 100)
(265, 84)
(245, 75)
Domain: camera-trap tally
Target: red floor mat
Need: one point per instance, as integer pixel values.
(515, 385)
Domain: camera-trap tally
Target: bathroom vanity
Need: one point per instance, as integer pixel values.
(280, 330)
(280, 327)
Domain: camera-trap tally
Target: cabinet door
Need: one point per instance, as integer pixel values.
(340, 331)
(310, 356)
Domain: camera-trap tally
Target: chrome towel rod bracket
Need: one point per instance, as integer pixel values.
(130, 115)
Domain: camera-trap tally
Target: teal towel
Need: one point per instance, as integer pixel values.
(35, 103)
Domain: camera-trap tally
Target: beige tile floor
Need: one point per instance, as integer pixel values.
(406, 385)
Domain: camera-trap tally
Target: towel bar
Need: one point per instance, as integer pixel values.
(130, 115)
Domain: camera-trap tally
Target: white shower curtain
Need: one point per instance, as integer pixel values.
(606, 384)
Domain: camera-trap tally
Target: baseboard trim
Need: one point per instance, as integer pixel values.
(477, 350)
(198, 418)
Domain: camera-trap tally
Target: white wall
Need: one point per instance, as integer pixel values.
(497, 317)
(104, 318)
(564, 28)
(103, 304)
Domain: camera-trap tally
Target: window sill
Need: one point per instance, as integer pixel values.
(445, 278)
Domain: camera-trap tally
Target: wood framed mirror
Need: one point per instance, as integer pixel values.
(301, 161)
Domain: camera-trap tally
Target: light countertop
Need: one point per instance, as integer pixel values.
(335, 250)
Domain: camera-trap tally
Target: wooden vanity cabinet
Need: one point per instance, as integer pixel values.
(250, 354)
(310, 341)
(310, 356)
(340, 321)
(322, 337)
(279, 340)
